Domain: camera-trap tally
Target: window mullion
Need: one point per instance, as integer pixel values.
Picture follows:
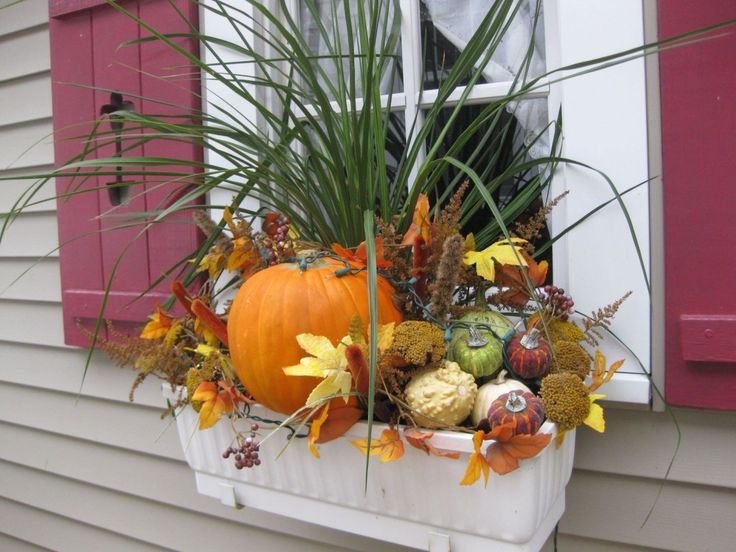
(411, 56)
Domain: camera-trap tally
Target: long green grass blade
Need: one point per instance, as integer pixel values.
(372, 276)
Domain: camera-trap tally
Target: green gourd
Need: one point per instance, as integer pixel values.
(478, 351)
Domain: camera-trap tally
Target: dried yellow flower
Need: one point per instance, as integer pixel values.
(563, 330)
(417, 343)
(571, 357)
(565, 399)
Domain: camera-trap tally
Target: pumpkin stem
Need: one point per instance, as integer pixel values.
(530, 340)
(515, 403)
(501, 377)
(476, 341)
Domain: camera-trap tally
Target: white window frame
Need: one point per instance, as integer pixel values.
(605, 126)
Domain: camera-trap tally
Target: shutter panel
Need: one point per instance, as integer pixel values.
(698, 143)
(85, 52)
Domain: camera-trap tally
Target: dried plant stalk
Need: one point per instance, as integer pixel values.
(601, 319)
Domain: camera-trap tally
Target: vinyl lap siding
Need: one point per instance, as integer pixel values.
(89, 471)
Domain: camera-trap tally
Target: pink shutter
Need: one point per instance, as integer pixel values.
(85, 39)
(698, 145)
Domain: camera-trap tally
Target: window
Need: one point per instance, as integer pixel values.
(86, 66)
(604, 126)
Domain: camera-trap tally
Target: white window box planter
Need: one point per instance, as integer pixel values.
(415, 501)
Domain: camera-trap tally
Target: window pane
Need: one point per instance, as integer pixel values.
(324, 25)
(448, 25)
(502, 139)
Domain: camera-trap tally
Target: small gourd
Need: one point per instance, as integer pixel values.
(489, 392)
(478, 351)
(441, 397)
(522, 406)
(529, 354)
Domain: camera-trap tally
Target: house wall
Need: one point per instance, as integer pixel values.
(87, 470)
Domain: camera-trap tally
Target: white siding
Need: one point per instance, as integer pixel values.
(95, 472)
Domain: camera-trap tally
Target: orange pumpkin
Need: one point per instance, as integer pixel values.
(277, 304)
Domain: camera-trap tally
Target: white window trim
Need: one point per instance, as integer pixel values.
(605, 126)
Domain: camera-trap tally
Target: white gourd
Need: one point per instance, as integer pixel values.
(489, 392)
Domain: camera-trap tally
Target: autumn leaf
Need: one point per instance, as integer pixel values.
(389, 446)
(213, 263)
(502, 251)
(328, 362)
(511, 276)
(477, 464)
(600, 375)
(217, 400)
(315, 429)
(341, 418)
(244, 256)
(420, 223)
(360, 257)
(595, 415)
(503, 456)
(420, 440)
(158, 325)
(228, 216)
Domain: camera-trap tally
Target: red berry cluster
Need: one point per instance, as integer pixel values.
(554, 299)
(277, 241)
(246, 455)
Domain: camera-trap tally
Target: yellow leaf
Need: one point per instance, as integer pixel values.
(503, 252)
(158, 325)
(470, 242)
(205, 350)
(308, 367)
(316, 345)
(243, 255)
(595, 416)
(213, 263)
(314, 430)
(228, 216)
(389, 446)
(337, 383)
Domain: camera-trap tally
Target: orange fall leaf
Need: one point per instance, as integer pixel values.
(512, 277)
(420, 222)
(158, 325)
(315, 429)
(338, 422)
(478, 464)
(421, 441)
(217, 400)
(503, 456)
(389, 446)
(360, 257)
